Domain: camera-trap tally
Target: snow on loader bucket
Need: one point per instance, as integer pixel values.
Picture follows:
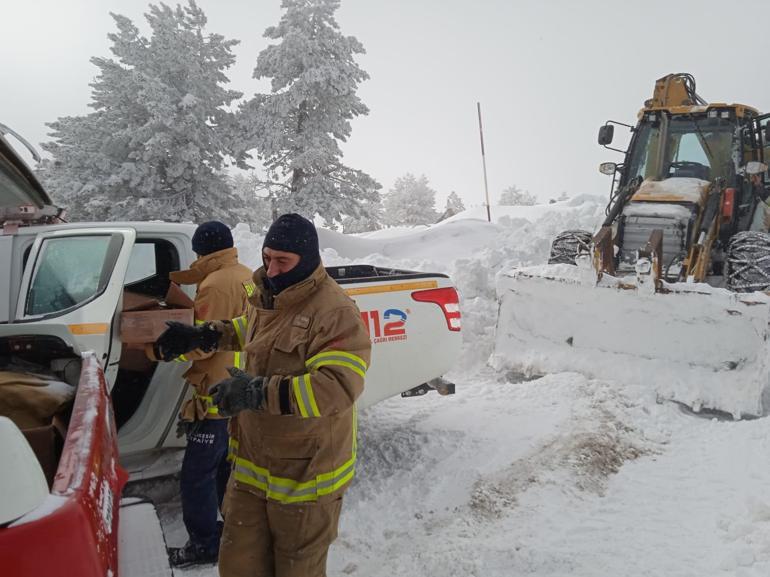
(696, 344)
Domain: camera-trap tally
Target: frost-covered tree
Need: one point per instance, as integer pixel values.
(454, 205)
(257, 209)
(297, 128)
(514, 196)
(370, 219)
(157, 141)
(410, 202)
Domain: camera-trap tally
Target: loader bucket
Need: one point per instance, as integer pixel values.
(702, 346)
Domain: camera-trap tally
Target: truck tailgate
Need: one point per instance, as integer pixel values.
(414, 324)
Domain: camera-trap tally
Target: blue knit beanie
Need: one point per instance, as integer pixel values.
(210, 237)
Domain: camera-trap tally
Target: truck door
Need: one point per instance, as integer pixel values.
(73, 282)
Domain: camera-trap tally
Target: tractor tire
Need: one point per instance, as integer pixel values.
(568, 245)
(747, 262)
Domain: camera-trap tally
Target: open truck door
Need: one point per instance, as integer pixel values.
(72, 287)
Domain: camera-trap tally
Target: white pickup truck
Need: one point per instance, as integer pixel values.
(62, 292)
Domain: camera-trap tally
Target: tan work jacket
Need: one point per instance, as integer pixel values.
(314, 350)
(222, 292)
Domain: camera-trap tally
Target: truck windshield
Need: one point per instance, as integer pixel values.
(694, 146)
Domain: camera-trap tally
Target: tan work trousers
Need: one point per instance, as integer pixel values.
(264, 538)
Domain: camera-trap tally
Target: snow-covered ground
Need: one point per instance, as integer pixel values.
(561, 475)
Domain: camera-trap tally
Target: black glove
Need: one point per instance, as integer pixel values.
(238, 393)
(179, 339)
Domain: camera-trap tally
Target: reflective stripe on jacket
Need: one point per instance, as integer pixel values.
(314, 350)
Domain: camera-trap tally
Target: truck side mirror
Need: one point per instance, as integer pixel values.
(606, 133)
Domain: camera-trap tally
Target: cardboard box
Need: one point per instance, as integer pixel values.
(47, 443)
(144, 318)
(133, 358)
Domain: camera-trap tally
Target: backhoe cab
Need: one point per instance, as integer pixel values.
(687, 174)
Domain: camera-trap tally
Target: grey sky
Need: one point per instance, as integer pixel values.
(548, 73)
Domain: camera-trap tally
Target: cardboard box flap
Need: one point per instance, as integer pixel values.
(176, 297)
(138, 302)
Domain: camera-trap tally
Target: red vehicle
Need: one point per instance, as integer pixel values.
(85, 530)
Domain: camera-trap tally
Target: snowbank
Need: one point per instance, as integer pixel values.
(470, 250)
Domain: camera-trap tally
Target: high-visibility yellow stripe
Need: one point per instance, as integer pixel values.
(181, 359)
(239, 324)
(339, 359)
(212, 409)
(238, 360)
(303, 393)
(329, 362)
(232, 449)
(368, 290)
(250, 288)
(291, 491)
(335, 353)
(288, 490)
(298, 396)
(313, 406)
(199, 322)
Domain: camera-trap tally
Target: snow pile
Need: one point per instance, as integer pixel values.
(470, 250)
(686, 189)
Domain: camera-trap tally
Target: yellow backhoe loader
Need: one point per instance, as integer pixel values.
(670, 292)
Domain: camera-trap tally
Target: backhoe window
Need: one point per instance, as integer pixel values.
(699, 147)
(689, 149)
(68, 272)
(644, 154)
(694, 147)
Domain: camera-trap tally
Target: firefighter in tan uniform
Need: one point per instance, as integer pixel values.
(223, 285)
(294, 433)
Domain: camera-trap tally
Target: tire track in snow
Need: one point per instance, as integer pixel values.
(443, 515)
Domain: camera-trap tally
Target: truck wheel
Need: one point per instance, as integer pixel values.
(568, 245)
(748, 262)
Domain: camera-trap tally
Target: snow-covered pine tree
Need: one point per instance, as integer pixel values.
(514, 196)
(410, 202)
(156, 144)
(257, 207)
(369, 219)
(297, 128)
(454, 205)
